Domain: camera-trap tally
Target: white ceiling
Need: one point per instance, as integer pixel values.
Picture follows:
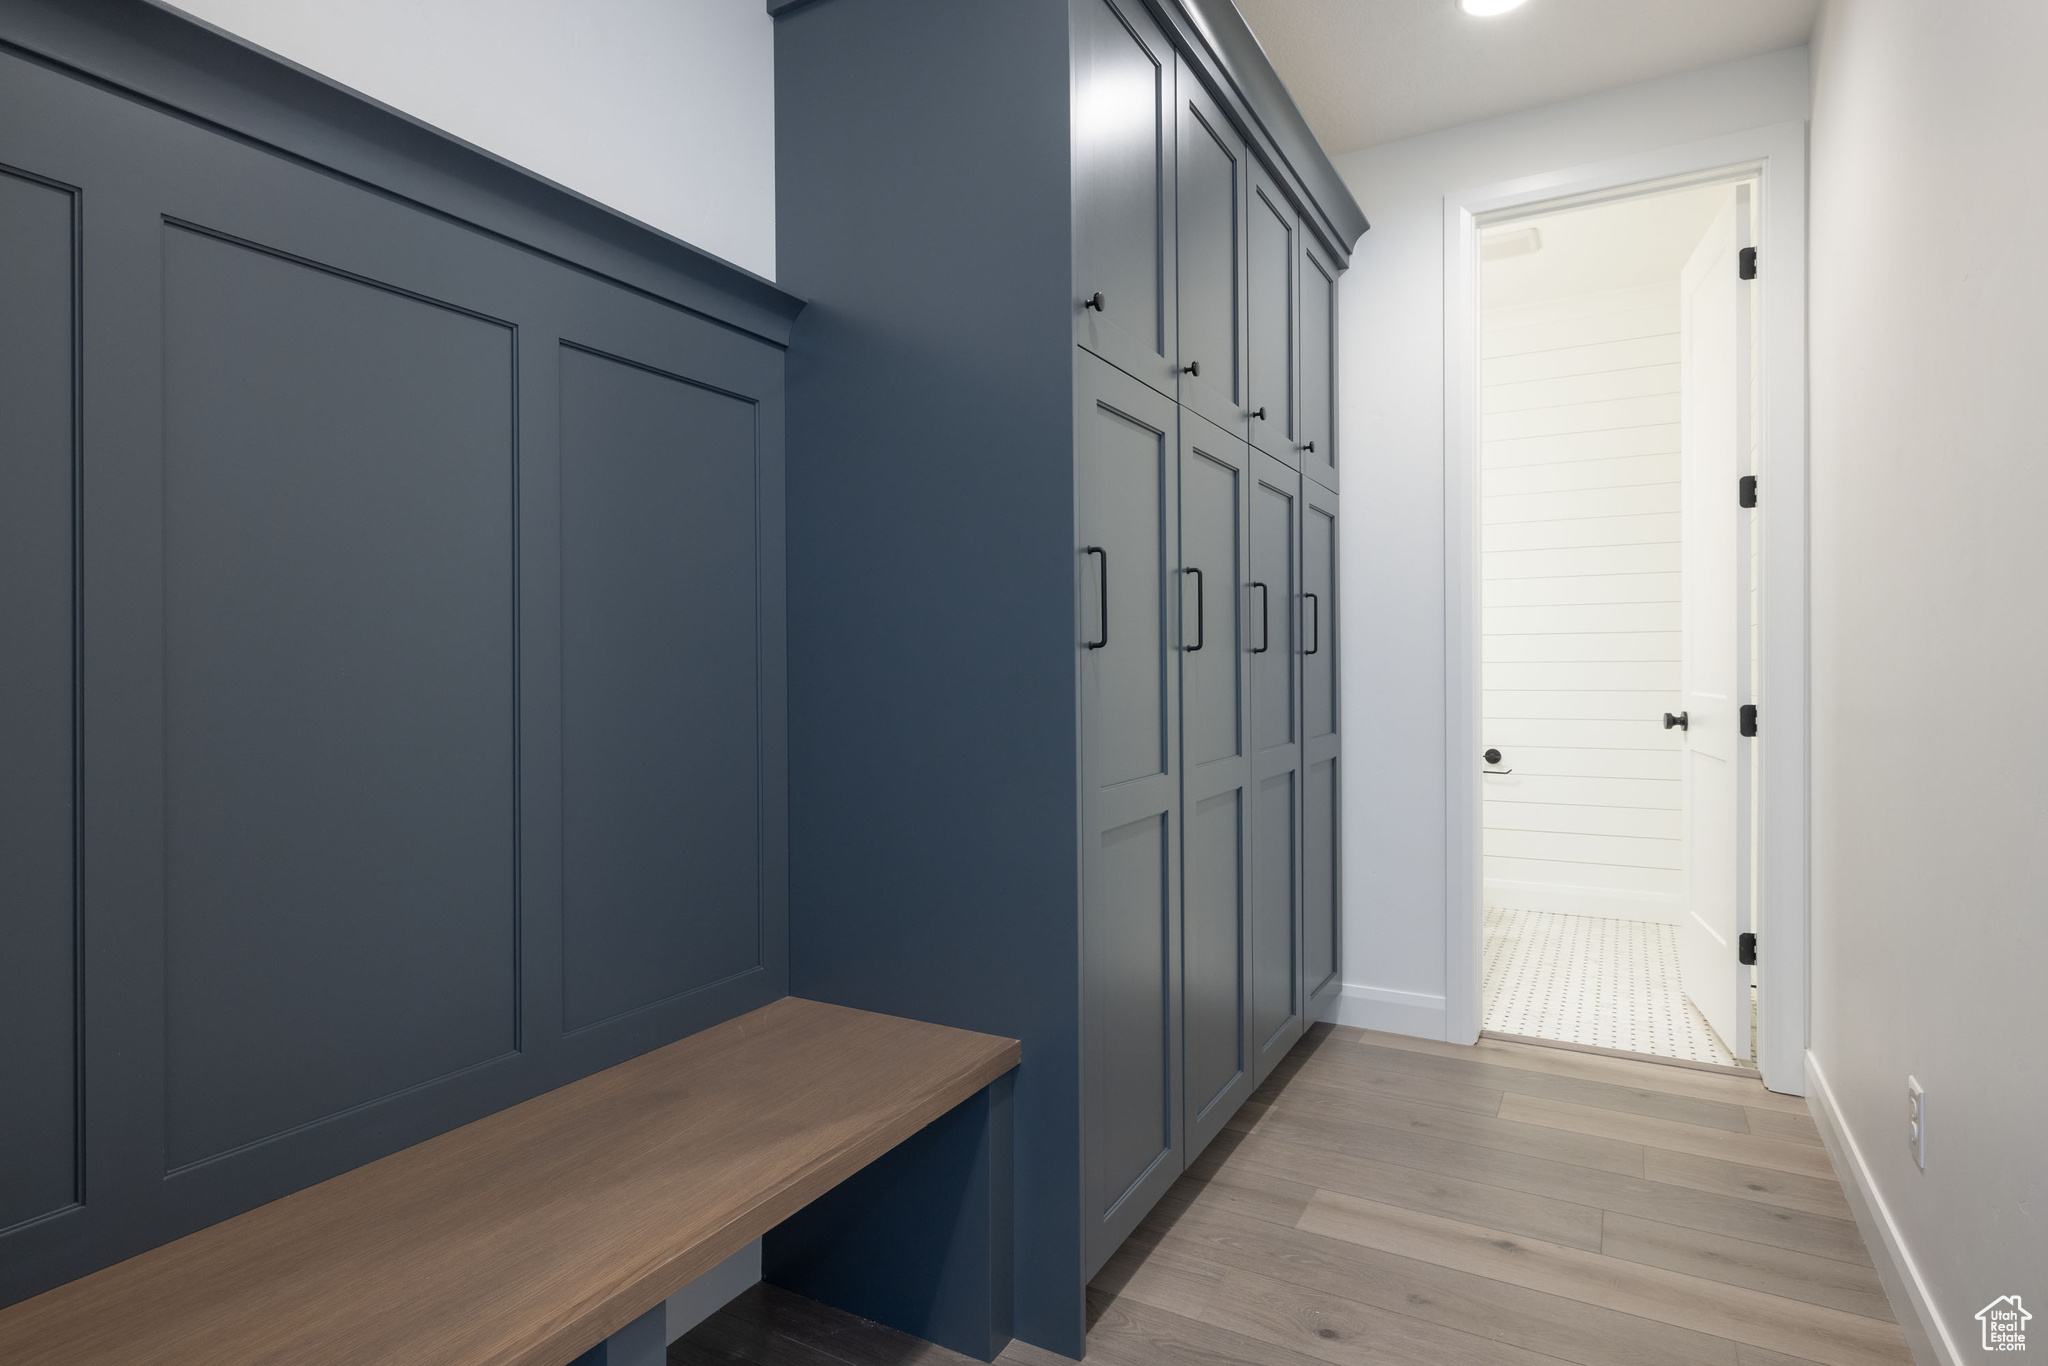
(1371, 71)
(1619, 245)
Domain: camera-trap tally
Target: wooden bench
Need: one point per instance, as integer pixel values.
(532, 1235)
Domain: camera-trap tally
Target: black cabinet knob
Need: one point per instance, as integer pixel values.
(1260, 414)
(1093, 301)
(1193, 367)
(1683, 720)
(1310, 447)
(1492, 756)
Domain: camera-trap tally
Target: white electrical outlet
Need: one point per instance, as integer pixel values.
(1916, 1101)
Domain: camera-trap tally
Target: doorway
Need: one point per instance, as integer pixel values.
(1772, 159)
(1617, 443)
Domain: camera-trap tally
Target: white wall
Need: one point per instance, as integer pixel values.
(1579, 511)
(662, 109)
(1392, 384)
(1930, 640)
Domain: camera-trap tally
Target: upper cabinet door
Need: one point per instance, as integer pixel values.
(1318, 436)
(1213, 177)
(1123, 129)
(1270, 254)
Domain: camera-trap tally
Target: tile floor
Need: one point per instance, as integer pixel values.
(1593, 980)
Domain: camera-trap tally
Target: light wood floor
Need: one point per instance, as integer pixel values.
(1392, 1200)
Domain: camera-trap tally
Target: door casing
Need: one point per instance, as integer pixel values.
(1775, 157)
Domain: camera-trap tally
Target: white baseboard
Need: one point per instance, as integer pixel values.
(713, 1290)
(1415, 1013)
(1914, 1308)
(1564, 898)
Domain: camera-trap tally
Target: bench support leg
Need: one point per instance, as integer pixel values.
(920, 1239)
(643, 1342)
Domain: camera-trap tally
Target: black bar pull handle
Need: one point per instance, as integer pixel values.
(1201, 609)
(1318, 620)
(1102, 639)
(1265, 620)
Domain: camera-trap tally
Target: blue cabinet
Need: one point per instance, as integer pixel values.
(1046, 567)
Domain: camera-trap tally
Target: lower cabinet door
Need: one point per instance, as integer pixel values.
(1321, 885)
(1126, 566)
(1215, 671)
(1273, 610)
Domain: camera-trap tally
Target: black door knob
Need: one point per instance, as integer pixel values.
(1492, 756)
(1093, 301)
(1683, 721)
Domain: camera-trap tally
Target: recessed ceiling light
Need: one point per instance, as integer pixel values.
(1486, 9)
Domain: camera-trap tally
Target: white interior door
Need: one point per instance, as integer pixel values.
(1714, 332)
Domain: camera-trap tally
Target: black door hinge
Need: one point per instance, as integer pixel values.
(1749, 719)
(1745, 491)
(1747, 270)
(1745, 949)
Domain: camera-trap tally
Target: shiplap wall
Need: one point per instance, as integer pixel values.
(1580, 621)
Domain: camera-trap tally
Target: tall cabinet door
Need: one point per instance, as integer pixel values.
(1318, 436)
(1321, 885)
(1127, 576)
(1215, 493)
(1271, 263)
(1124, 243)
(1213, 173)
(1272, 608)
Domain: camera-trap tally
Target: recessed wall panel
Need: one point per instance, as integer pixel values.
(1211, 194)
(1124, 472)
(339, 600)
(1127, 956)
(1319, 622)
(1274, 964)
(1272, 624)
(1270, 289)
(1212, 928)
(660, 680)
(1212, 693)
(1319, 369)
(1319, 873)
(38, 924)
